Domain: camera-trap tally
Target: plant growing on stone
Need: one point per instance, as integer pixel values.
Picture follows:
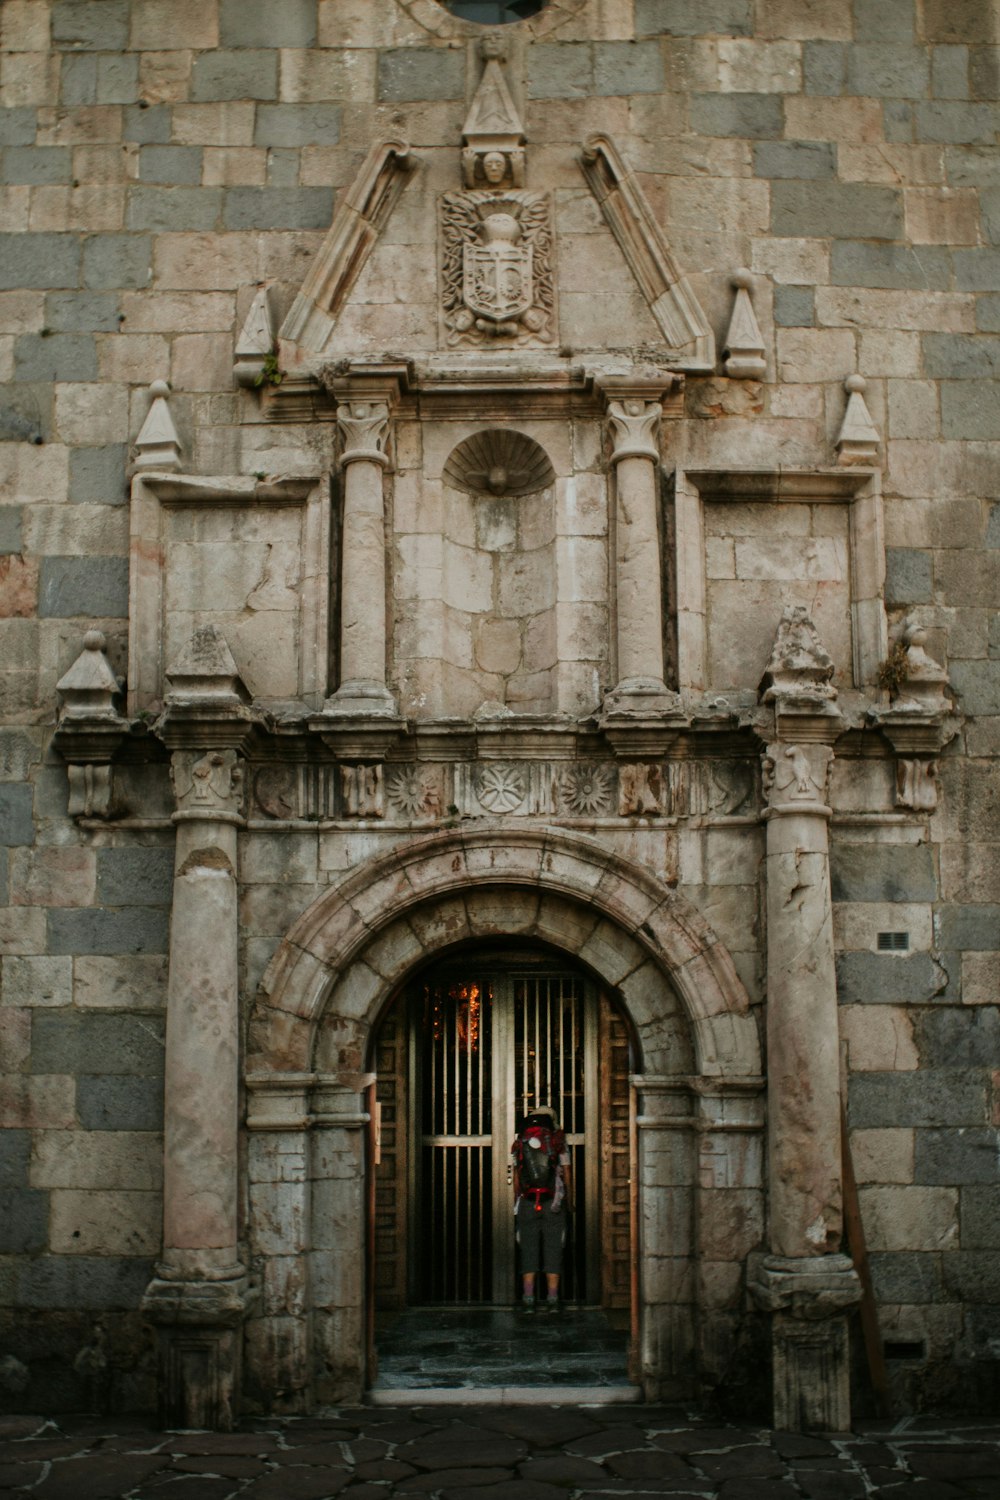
(892, 672)
(271, 372)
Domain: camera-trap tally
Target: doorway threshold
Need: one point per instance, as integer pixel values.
(504, 1395)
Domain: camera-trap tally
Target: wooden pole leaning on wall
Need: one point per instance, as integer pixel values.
(867, 1310)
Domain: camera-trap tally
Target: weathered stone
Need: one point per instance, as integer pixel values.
(116, 260)
(750, 116)
(137, 929)
(23, 1221)
(909, 576)
(950, 1157)
(294, 26)
(71, 1281)
(234, 75)
(420, 73)
(106, 1102)
(694, 17)
(929, 1098)
(277, 208)
(882, 872)
(842, 209)
(98, 28)
(94, 588)
(16, 815)
(39, 260)
(907, 1276)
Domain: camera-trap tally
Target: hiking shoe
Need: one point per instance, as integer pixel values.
(553, 1308)
(528, 1307)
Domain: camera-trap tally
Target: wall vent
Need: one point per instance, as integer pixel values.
(904, 1349)
(893, 942)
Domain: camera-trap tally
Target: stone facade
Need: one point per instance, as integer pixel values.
(467, 483)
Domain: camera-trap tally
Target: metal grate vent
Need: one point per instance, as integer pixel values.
(893, 942)
(904, 1349)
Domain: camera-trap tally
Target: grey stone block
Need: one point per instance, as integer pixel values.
(947, 122)
(860, 263)
(290, 24)
(16, 823)
(989, 205)
(807, 159)
(70, 1042)
(984, 71)
(947, 1158)
(950, 72)
(39, 260)
(283, 166)
(159, 209)
(977, 682)
(11, 528)
(794, 306)
(970, 410)
(977, 270)
(78, 80)
(82, 312)
(973, 1275)
(972, 166)
(908, 576)
(560, 70)
(882, 872)
(988, 309)
(36, 164)
(297, 125)
(694, 17)
(91, 587)
(147, 124)
(906, 1277)
(749, 116)
(113, 261)
(122, 1103)
(879, 71)
(176, 165)
(888, 978)
(19, 752)
(961, 356)
(897, 120)
(58, 356)
(413, 73)
(961, 1037)
(118, 79)
(97, 475)
(86, 26)
(17, 126)
(82, 1281)
(25, 410)
(278, 208)
(131, 929)
(4, 877)
(622, 68)
(135, 877)
(24, 1221)
(15, 1155)
(969, 928)
(824, 68)
(234, 75)
(841, 209)
(979, 1210)
(875, 21)
(932, 1097)
(993, 527)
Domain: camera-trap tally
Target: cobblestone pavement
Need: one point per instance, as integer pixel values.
(500, 1453)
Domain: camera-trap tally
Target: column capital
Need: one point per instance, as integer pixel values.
(634, 406)
(795, 778)
(208, 785)
(364, 427)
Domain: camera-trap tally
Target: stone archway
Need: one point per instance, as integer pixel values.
(308, 1051)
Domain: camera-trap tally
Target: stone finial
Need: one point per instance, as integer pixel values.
(90, 687)
(858, 441)
(744, 347)
(493, 136)
(205, 672)
(922, 683)
(800, 667)
(158, 446)
(255, 341)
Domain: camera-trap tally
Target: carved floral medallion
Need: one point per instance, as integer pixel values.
(586, 790)
(501, 789)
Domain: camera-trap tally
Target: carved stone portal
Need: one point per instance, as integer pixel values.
(497, 270)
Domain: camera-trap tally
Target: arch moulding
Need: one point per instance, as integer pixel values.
(352, 947)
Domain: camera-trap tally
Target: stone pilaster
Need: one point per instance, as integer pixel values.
(634, 410)
(805, 1282)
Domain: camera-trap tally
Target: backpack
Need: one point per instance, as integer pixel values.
(538, 1151)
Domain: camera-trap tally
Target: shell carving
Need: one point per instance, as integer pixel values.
(499, 461)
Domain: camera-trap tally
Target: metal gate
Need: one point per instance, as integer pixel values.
(486, 1045)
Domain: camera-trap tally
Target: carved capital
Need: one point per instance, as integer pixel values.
(633, 425)
(795, 777)
(364, 428)
(207, 784)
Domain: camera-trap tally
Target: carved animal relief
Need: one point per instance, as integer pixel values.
(497, 268)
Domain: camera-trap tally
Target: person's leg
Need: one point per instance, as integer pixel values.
(553, 1239)
(529, 1240)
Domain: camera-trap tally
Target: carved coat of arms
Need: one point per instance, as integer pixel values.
(498, 279)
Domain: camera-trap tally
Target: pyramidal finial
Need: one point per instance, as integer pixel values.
(205, 669)
(158, 446)
(493, 136)
(90, 686)
(255, 341)
(858, 441)
(744, 347)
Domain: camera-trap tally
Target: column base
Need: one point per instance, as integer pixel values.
(361, 699)
(199, 1338)
(641, 717)
(811, 1349)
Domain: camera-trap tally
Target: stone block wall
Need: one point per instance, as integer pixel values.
(157, 162)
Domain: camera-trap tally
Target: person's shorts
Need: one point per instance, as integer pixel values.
(540, 1238)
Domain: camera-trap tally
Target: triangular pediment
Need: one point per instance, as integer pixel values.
(420, 262)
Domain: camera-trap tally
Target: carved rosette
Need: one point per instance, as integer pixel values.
(415, 792)
(586, 790)
(497, 274)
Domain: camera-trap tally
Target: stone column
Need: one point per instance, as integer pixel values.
(805, 1281)
(364, 427)
(634, 410)
(199, 1295)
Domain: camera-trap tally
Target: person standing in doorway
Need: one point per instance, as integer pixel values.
(542, 1202)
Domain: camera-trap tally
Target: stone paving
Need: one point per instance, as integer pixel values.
(500, 1453)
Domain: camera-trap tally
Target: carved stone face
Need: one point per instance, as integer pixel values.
(494, 166)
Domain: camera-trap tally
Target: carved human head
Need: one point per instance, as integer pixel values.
(494, 166)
